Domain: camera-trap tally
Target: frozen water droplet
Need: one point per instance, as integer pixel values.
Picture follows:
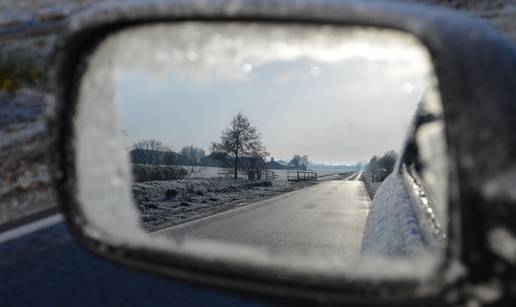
(247, 68)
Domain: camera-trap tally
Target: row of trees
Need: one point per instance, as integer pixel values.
(148, 152)
(192, 154)
(151, 152)
(239, 142)
(382, 165)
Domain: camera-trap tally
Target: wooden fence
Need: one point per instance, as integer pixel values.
(251, 174)
(301, 175)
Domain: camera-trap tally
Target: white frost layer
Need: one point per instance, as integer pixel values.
(391, 228)
(103, 173)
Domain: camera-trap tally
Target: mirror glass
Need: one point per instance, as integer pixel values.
(276, 139)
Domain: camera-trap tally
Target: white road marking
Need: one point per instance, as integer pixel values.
(30, 227)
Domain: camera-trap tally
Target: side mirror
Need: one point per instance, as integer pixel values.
(248, 146)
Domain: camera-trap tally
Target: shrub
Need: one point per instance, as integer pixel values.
(15, 75)
(143, 173)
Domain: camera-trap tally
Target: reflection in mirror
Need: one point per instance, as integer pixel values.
(278, 137)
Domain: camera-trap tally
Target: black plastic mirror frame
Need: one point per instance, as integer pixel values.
(462, 53)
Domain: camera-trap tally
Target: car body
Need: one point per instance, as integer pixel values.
(447, 66)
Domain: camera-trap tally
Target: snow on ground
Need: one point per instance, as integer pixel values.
(391, 228)
(166, 203)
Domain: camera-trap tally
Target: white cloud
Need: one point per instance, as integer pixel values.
(357, 87)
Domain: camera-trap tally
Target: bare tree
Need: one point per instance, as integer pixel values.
(240, 139)
(193, 155)
(147, 151)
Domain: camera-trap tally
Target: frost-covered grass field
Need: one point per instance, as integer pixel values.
(166, 203)
(204, 192)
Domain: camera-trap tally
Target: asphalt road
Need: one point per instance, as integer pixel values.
(47, 267)
(328, 217)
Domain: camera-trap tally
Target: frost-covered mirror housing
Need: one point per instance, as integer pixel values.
(93, 178)
(214, 120)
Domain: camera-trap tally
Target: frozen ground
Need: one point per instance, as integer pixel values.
(166, 203)
(24, 178)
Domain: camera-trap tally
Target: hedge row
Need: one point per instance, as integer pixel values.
(143, 173)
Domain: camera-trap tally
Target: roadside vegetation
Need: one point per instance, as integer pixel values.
(378, 168)
(371, 187)
(17, 74)
(142, 173)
